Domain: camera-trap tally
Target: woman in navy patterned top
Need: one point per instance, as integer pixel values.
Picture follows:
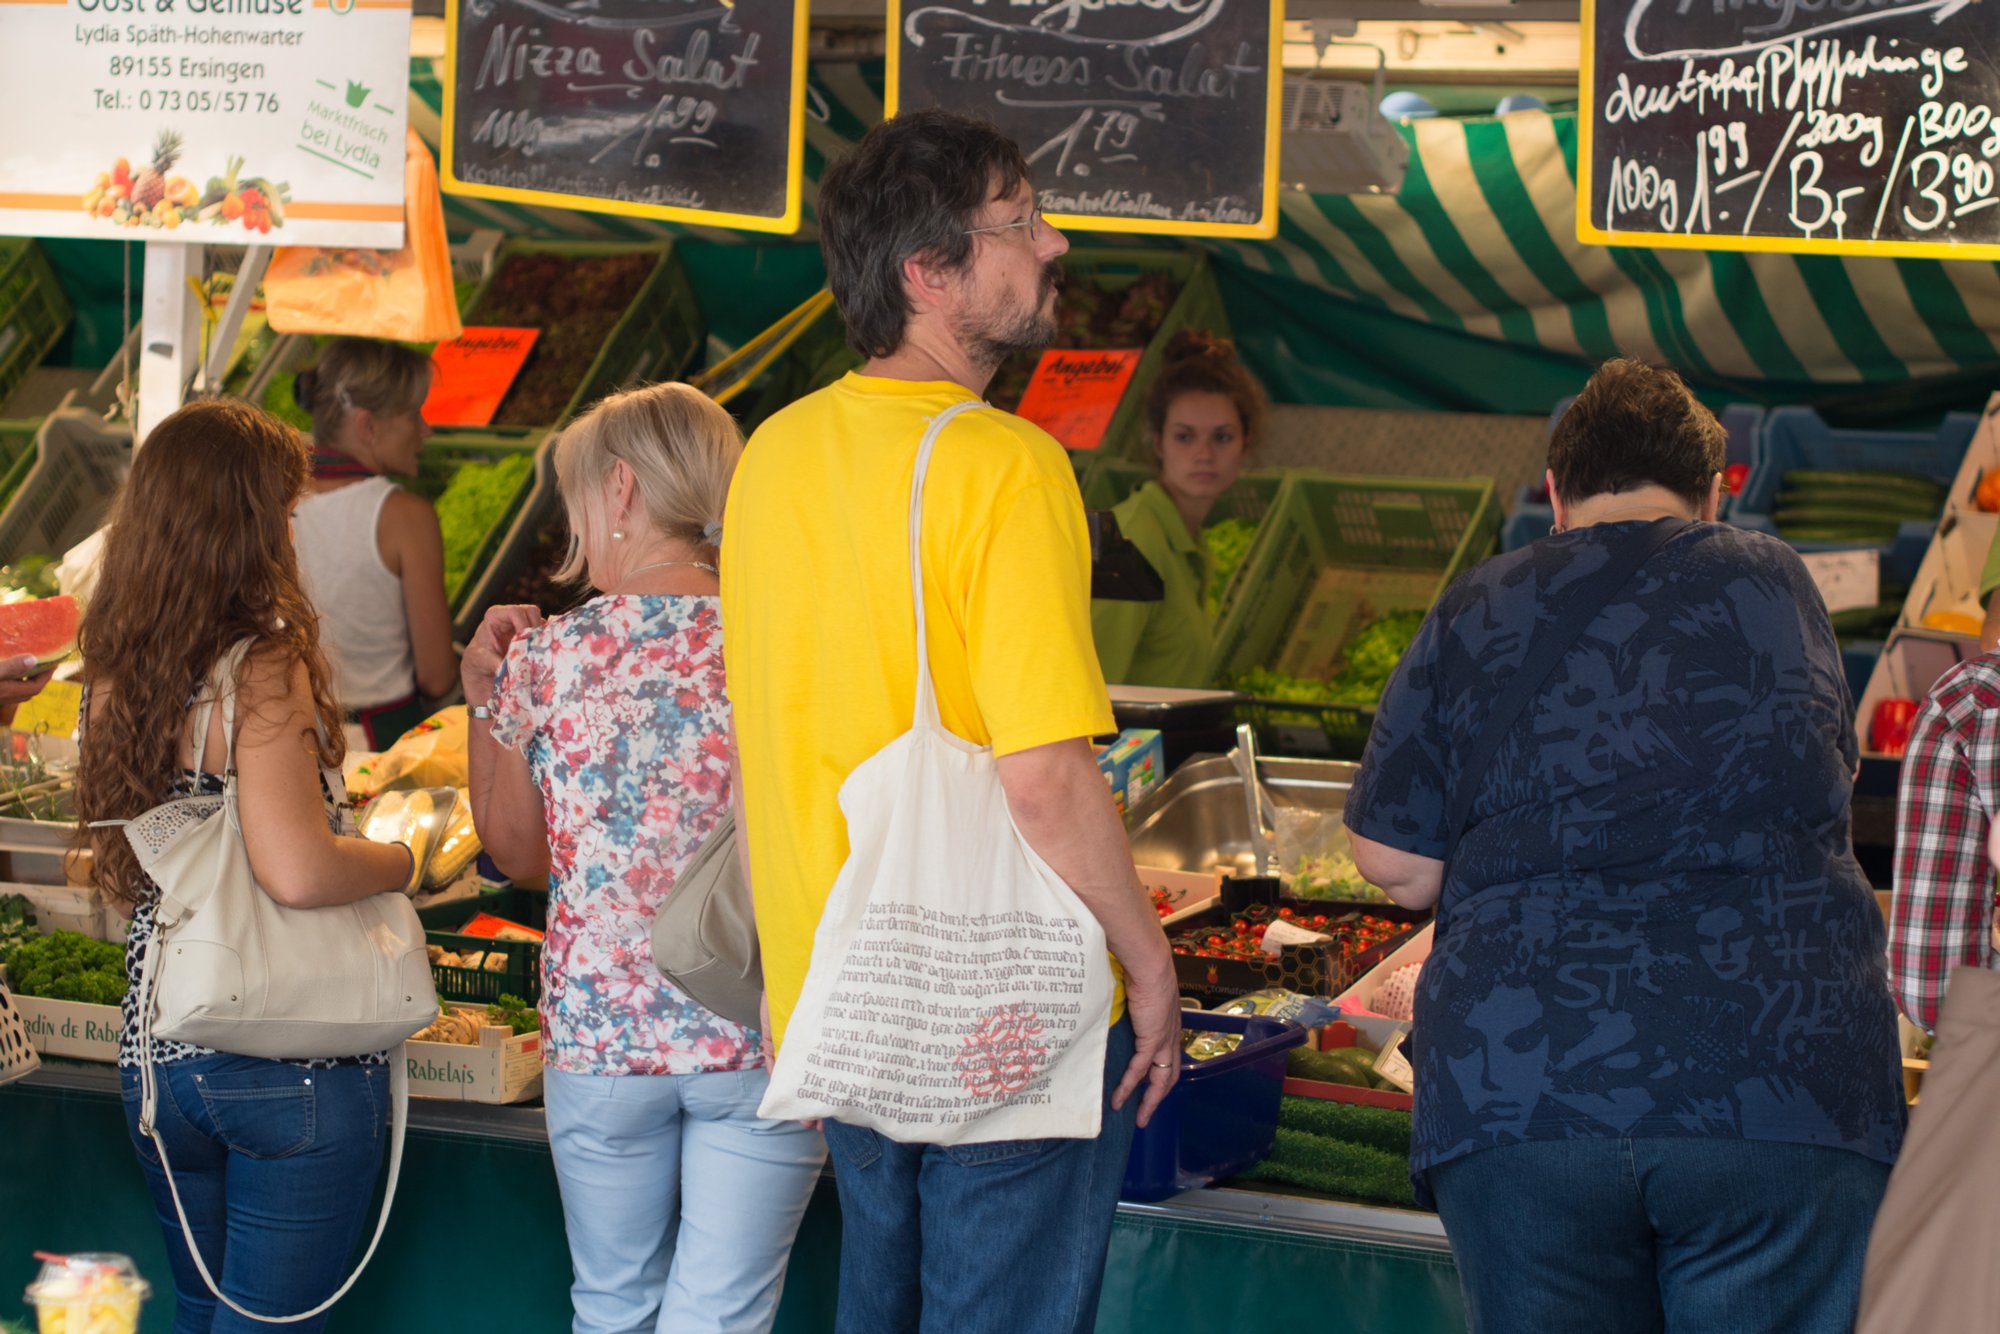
(1657, 1077)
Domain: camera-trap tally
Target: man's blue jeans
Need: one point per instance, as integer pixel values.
(276, 1165)
(1003, 1238)
(1613, 1236)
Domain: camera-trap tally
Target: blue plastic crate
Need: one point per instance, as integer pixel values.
(1800, 438)
(1221, 1117)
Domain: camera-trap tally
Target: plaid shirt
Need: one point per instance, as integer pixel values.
(1942, 913)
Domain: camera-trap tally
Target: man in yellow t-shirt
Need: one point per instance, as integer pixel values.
(942, 267)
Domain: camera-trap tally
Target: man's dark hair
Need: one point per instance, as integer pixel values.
(1635, 425)
(910, 187)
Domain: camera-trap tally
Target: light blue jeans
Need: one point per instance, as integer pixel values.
(681, 1203)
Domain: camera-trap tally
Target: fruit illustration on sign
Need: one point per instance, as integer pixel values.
(155, 197)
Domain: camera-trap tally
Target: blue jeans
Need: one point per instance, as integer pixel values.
(680, 1201)
(277, 1166)
(1643, 1235)
(1002, 1238)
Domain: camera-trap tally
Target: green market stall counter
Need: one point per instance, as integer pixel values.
(476, 1240)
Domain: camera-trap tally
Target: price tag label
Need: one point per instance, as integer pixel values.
(54, 711)
(1394, 1066)
(1847, 580)
(474, 372)
(1074, 395)
(1281, 933)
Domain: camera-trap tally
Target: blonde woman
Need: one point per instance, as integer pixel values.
(371, 553)
(600, 753)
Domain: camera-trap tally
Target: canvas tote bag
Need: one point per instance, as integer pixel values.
(1930, 1259)
(959, 992)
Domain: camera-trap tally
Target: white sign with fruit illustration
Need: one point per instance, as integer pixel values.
(224, 122)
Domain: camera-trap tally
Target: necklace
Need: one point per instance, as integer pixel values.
(668, 564)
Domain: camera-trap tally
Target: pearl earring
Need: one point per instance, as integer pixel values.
(617, 536)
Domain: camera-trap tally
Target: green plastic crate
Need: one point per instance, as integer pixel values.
(806, 349)
(523, 974)
(658, 337)
(444, 455)
(1106, 481)
(66, 490)
(1335, 554)
(17, 455)
(33, 311)
(513, 547)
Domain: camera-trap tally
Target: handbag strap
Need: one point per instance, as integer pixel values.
(399, 1119)
(222, 685)
(926, 706)
(1545, 652)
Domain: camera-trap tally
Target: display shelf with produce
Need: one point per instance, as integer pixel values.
(611, 315)
(1338, 580)
(1945, 596)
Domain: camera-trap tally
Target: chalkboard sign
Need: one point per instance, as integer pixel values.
(691, 110)
(1135, 115)
(1830, 126)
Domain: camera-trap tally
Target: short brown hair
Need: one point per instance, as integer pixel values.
(1635, 425)
(912, 186)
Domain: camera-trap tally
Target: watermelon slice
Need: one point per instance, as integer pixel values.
(42, 628)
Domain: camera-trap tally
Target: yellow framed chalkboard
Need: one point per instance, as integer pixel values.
(1135, 118)
(1834, 130)
(689, 110)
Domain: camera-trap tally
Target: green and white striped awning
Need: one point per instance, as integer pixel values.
(1469, 289)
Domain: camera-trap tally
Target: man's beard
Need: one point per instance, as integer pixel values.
(991, 337)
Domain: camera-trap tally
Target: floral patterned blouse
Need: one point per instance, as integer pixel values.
(619, 708)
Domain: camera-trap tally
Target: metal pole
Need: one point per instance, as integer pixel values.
(170, 331)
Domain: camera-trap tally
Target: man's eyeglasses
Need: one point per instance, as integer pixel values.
(1033, 222)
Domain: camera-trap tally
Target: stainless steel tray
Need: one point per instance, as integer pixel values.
(1197, 820)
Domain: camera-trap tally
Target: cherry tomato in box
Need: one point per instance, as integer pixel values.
(1889, 729)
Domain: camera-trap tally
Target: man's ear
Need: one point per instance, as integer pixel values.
(927, 283)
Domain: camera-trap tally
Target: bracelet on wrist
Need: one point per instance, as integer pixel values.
(410, 878)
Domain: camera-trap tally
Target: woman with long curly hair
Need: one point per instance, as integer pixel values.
(275, 1160)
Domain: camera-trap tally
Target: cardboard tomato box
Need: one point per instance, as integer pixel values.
(504, 1067)
(1316, 968)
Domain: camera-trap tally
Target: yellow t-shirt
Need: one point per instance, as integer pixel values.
(822, 632)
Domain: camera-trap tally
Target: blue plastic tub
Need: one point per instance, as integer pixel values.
(1800, 438)
(1222, 1116)
(1858, 660)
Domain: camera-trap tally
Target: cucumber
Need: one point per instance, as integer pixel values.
(1344, 1065)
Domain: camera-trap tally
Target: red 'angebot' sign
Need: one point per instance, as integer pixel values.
(1074, 394)
(474, 372)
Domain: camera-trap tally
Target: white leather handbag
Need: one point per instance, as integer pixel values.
(230, 967)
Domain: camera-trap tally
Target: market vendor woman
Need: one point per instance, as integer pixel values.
(1202, 415)
(372, 553)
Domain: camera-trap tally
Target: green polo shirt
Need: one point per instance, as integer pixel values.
(1165, 643)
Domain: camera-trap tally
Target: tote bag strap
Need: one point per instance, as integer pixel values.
(926, 709)
(399, 1118)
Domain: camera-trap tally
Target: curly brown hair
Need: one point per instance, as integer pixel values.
(1197, 362)
(197, 558)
